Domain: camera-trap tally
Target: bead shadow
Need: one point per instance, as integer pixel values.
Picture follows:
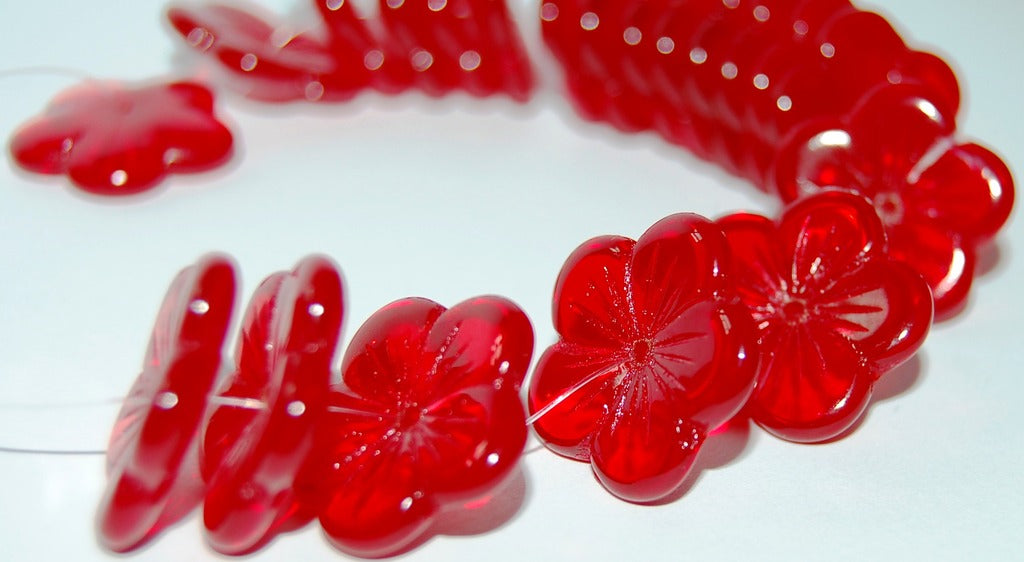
(899, 381)
(725, 446)
(990, 258)
(893, 384)
(478, 517)
(654, 143)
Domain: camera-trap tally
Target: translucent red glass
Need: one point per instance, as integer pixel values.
(427, 417)
(116, 139)
(258, 437)
(652, 356)
(729, 80)
(438, 47)
(770, 92)
(938, 200)
(661, 340)
(834, 312)
(247, 44)
(151, 460)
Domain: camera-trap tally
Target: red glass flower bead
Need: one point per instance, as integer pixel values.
(833, 310)
(939, 200)
(151, 461)
(259, 436)
(427, 417)
(115, 139)
(653, 355)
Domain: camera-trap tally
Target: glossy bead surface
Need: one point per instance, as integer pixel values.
(116, 139)
(247, 45)
(151, 461)
(258, 438)
(437, 47)
(459, 44)
(729, 80)
(426, 418)
(938, 199)
(833, 310)
(652, 356)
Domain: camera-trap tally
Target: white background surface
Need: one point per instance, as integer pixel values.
(456, 198)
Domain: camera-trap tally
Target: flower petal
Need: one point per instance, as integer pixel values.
(885, 309)
(643, 458)
(479, 342)
(875, 151)
(968, 190)
(829, 236)
(934, 74)
(813, 384)
(483, 432)
(42, 145)
(711, 350)
(571, 388)
(380, 509)
(387, 351)
(760, 270)
(942, 258)
(675, 262)
(896, 127)
(592, 301)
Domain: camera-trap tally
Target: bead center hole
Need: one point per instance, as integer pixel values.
(889, 207)
(642, 350)
(410, 415)
(794, 311)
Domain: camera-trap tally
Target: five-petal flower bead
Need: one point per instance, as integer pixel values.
(151, 461)
(833, 310)
(938, 200)
(114, 139)
(259, 430)
(427, 417)
(653, 355)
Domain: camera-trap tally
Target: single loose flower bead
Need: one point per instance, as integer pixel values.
(427, 417)
(151, 460)
(115, 139)
(834, 312)
(939, 200)
(653, 355)
(258, 437)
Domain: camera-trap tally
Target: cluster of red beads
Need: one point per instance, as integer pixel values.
(426, 416)
(662, 339)
(729, 79)
(437, 46)
(796, 95)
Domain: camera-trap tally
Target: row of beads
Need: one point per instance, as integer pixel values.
(662, 340)
(796, 95)
(426, 415)
(730, 79)
(437, 46)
